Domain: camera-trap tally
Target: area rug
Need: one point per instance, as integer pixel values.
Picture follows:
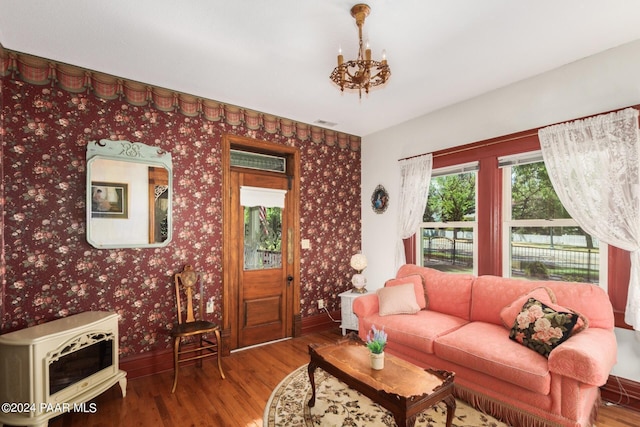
(338, 405)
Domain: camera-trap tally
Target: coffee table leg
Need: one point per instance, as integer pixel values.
(311, 369)
(450, 401)
(403, 421)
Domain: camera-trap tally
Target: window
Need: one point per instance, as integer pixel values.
(262, 237)
(448, 240)
(541, 240)
(495, 223)
(262, 226)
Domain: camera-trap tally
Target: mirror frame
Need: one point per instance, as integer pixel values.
(134, 152)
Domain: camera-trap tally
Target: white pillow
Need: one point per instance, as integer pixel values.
(399, 299)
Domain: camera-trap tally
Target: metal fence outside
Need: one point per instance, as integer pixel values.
(446, 251)
(536, 262)
(555, 263)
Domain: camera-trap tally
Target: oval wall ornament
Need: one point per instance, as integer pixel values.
(379, 199)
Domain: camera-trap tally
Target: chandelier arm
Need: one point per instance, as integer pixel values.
(380, 74)
(351, 76)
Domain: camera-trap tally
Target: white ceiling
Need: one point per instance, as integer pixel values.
(276, 56)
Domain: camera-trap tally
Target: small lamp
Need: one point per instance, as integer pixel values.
(359, 263)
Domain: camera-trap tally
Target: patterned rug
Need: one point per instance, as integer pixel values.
(338, 405)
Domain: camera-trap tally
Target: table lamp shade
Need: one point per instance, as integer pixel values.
(358, 262)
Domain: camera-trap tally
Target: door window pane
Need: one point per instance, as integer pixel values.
(262, 238)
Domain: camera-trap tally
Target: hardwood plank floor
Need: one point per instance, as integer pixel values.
(203, 399)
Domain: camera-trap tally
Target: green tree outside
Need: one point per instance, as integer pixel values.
(451, 198)
(532, 194)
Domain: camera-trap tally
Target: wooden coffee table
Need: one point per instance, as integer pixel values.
(401, 387)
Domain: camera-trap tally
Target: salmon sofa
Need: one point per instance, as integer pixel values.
(461, 326)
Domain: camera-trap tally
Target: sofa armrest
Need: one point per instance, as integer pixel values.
(366, 305)
(587, 357)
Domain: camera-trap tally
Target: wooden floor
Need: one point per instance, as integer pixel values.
(203, 399)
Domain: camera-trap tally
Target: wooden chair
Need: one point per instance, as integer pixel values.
(191, 327)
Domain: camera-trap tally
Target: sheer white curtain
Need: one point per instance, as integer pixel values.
(415, 175)
(594, 166)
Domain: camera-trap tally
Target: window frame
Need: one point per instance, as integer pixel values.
(506, 164)
(470, 167)
(489, 211)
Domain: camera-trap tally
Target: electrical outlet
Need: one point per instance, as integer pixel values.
(210, 305)
(320, 304)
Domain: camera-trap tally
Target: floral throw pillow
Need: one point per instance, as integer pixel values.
(541, 328)
(508, 314)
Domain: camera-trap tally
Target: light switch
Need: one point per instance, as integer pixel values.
(306, 244)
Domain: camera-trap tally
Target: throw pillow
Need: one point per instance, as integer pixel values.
(541, 328)
(418, 286)
(581, 324)
(399, 299)
(508, 314)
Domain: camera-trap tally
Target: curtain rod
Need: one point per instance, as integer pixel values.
(414, 157)
(506, 139)
(443, 153)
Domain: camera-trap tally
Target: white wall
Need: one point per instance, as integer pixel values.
(603, 82)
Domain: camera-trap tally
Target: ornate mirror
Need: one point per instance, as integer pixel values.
(128, 195)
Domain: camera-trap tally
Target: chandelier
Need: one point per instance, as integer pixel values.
(361, 73)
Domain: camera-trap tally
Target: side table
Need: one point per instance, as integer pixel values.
(349, 320)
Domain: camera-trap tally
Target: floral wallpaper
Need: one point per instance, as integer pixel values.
(50, 270)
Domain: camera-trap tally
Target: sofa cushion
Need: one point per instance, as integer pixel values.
(418, 331)
(418, 286)
(541, 328)
(486, 348)
(509, 313)
(398, 299)
(446, 292)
